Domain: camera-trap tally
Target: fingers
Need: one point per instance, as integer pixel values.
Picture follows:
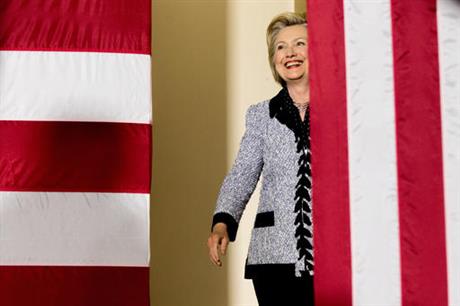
(223, 245)
(213, 243)
(217, 243)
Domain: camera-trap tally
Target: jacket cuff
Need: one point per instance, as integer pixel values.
(232, 225)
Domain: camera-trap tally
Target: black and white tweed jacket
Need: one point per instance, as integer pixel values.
(276, 145)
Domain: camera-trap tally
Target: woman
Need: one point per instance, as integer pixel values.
(276, 144)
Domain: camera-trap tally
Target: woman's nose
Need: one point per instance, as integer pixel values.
(290, 51)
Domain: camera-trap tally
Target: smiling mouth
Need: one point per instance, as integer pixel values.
(293, 64)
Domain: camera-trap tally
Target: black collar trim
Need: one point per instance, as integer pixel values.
(282, 108)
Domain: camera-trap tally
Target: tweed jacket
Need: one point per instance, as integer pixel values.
(275, 147)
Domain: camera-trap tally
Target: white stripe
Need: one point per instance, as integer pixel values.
(449, 57)
(93, 229)
(75, 86)
(372, 153)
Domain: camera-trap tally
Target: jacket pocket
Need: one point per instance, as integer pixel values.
(265, 219)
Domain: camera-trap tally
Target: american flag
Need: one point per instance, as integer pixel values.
(385, 91)
(75, 152)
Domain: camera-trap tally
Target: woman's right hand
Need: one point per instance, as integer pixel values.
(217, 243)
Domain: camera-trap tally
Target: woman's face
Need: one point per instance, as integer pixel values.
(291, 54)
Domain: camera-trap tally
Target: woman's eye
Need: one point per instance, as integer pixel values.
(300, 43)
(279, 47)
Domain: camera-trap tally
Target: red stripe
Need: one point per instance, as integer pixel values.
(75, 25)
(74, 286)
(329, 154)
(75, 156)
(419, 152)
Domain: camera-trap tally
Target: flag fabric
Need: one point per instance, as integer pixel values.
(385, 134)
(75, 152)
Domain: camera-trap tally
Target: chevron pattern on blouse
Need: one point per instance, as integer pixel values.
(282, 107)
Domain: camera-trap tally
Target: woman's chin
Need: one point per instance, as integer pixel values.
(296, 80)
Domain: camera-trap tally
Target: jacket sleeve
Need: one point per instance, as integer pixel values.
(240, 182)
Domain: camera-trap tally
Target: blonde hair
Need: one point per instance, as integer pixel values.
(278, 23)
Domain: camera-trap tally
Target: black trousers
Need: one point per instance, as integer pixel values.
(284, 292)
